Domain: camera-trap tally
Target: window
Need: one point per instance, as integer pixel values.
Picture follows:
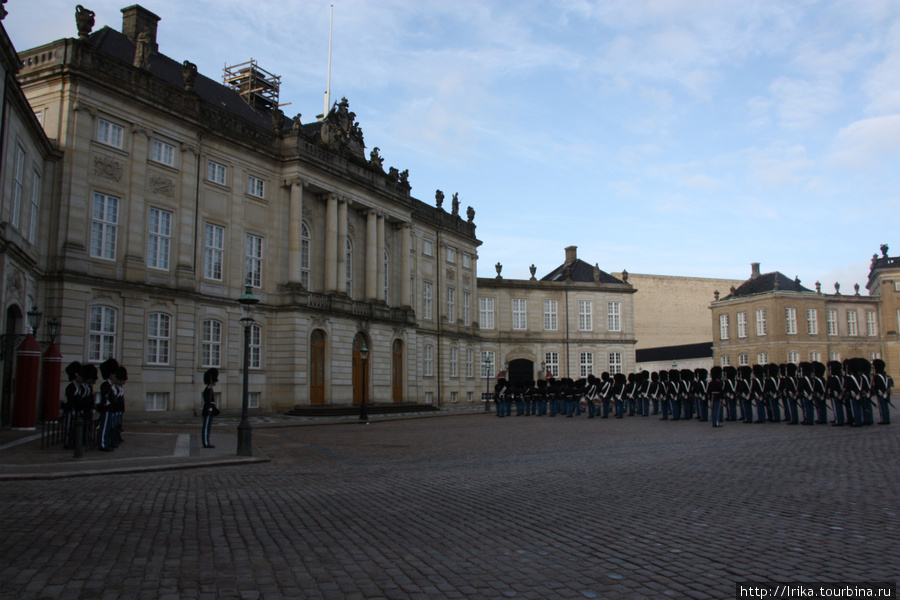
(102, 342)
(790, 322)
(454, 361)
(428, 363)
(162, 152)
(348, 245)
(427, 247)
(897, 286)
(898, 320)
(551, 364)
(852, 325)
(158, 330)
(586, 362)
(256, 186)
(387, 278)
(426, 299)
(615, 362)
(469, 397)
(35, 199)
(18, 186)
(157, 401)
(760, 321)
(812, 321)
(451, 305)
(467, 299)
(304, 256)
(874, 355)
(110, 133)
(211, 343)
(487, 364)
(159, 238)
(743, 360)
(454, 397)
(726, 361)
(104, 226)
(762, 358)
(213, 250)
(742, 324)
(551, 318)
(470, 360)
(255, 346)
(252, 399)
(794, 357)
(871, 324)
(520, 320)
(215, 172)
(253, 245)
(585, 315)
(451, 255)
(467, 261)
(831, 322)
(613, 322)
(834, 356)
(486, 313)
(723, 327)
(814, 356)
(429, 397)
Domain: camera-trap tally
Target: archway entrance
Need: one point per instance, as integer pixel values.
(521, 372)
(397, 371)
(317, 368)
(360, 370)
(13, 318)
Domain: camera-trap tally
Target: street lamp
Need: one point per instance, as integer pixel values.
(53, 327)
(245, 430)
(364, 356)
(34, 319)
(489, 362)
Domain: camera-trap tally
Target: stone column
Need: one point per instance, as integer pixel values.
(371, 256)
(379, 261)
(331, 243)
(295, 230)
(342, 248)
(405, 300)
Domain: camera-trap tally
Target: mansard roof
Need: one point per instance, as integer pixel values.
(581, 272)
(768, 282)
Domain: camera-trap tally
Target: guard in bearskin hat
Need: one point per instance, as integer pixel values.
(210, 410)
(835, 391)
(714, 393)
(789, 394)
(881, 387)
(820, 393)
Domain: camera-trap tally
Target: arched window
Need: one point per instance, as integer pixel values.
(304, 255)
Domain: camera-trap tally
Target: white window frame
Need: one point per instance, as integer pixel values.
(454, 361)
(428, 361)
(470, 362)
(814, 356)
(35, 206)
(255, 346)
(585, 315)
(812, 321)
(743, 360)
(427, 308)
(110, 133)
(427, 247)
(519, 314)
(159, 238)
(211, 343)
(18, 186)
(256, 187)
(467, 301)
(253, 260)
(104, 226)
(831, 322)
(762, 358)
(834, 355)
(551, 364)
(486, 312)
(615, 363)
(485, 374)
(387, 278)
(761, 326)
(159, 333)
(723, 326)
(466, 261)
(551, 315)
(586, 363)
(213, 251)
(451, 255)
(451, 305)
(790, 321)
(852, 323)
(305, 246)
(614, 316)
(348, 249)
(725, 361)
(102, 333)
(156, 401)
(871, 323)
(162, 152)
(216, 172)
(253, 399)
(742, 325)
(794, 357)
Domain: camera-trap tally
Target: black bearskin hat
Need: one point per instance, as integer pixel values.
(121, 374)
(730, 372)
(663, 375)
(108, 368)
(88, 373)
(879, 365)
(758, 371)
(791, 370)
(211, 376)
(73, 370)
(715, 374)
(835, 367)
(819, 369)
(654, 376)
(701, 374)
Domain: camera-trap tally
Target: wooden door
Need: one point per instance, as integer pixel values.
(397, 372)
(317, 368)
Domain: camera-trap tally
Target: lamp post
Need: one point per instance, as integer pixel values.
(364, 356)
(489, 362)
(245, 430)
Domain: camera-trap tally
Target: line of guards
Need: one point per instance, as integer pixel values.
(81, 404)
(798, 394)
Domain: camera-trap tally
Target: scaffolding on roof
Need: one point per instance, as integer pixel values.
(257, 87)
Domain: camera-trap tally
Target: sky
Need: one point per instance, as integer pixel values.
(671, 137)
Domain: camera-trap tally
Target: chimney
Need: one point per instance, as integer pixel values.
(754, 270)
(136, 19)
(571, 254)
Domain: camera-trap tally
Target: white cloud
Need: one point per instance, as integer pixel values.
(866, 143)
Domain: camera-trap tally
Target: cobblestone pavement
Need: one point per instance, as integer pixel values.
(472, 506)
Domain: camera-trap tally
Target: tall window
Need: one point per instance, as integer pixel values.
(790, 322)
(761, 321)
(831, 322)
(871, 324)
(387, 278)
(742, 324)
(551, 320)
(467, 262)
(586, 362)
(794, 357)
(615, 362)
(812, 321)
(18, 186)
(470, 362)
(488, 364)
(428, 363)
(723, 327)
(613, 320)
(256, 186)
(451, 255)
(211, 343)
(743, 360)
(834, 355)
(213, 250)
(762, 358)
(585, 315)
(726, 361)
(215, 172)
(162, 152)
(428, 248)
(814, 356)
(348, 245)
(35, 199)
(110, 133)
(852, 325)
(104, 226)
(255, 346)
(304, 256)
(426, 299)
(486, 313)
(454, 361)
(451, 305)
(159, 237)
(253, 245)
(520, 320)
(467, 299)
(158, 331)
(102, 341)
(551, 364)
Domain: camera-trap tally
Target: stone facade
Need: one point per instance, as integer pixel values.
(884, 283)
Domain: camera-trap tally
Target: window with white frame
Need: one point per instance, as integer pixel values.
(762, 358)
(426, 299)
(18, 187)
(469, 397)
(897, 285)
(814, 356)
(726, 361)
(613, 321)
(429, 397)
(428, 363)
(255, 346)
(451, 305)
(157, 401)
(102, 334)
(253, 399)
(874, 355)
(35, 200)
(213, 251)
(551, 318)
(794, 357)
(110, 133)
(834, 355)
(211, 343)
(551, 364)
(216, 172)
(615, 362)
(790, 322)
(852, 325)
(349, 260)
(470, 362)
(871, 323)
(256, 186)
(761, 328)
(586, 363)
(387, 277)
(454, 361)
(304, 256)
(519, 315)
(427, 247)
(454, 397)
(898, 320)
(585, 315)
(159, 238)
(158, 332)
(467, 261)
(486, 313)
(743, 360)
(451, 255)
(812, 321)
(723, 327)
(467, 300)
(104, 226)
(831, 322)
(742, 325)
(253, 246)
(162, 152)
(487, 364)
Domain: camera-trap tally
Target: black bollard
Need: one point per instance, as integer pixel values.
(79, 435)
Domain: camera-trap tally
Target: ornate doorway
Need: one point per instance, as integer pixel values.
(521, 372)
(317, 368)
(397, 371)
(360, 370)
(13, 317)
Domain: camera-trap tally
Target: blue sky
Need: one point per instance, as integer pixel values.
(676, 137)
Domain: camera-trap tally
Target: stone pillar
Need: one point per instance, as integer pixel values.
(295, 230)
(342, 248)
(331, 243)
(405, 300)
(371, 256)
(379, 261)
